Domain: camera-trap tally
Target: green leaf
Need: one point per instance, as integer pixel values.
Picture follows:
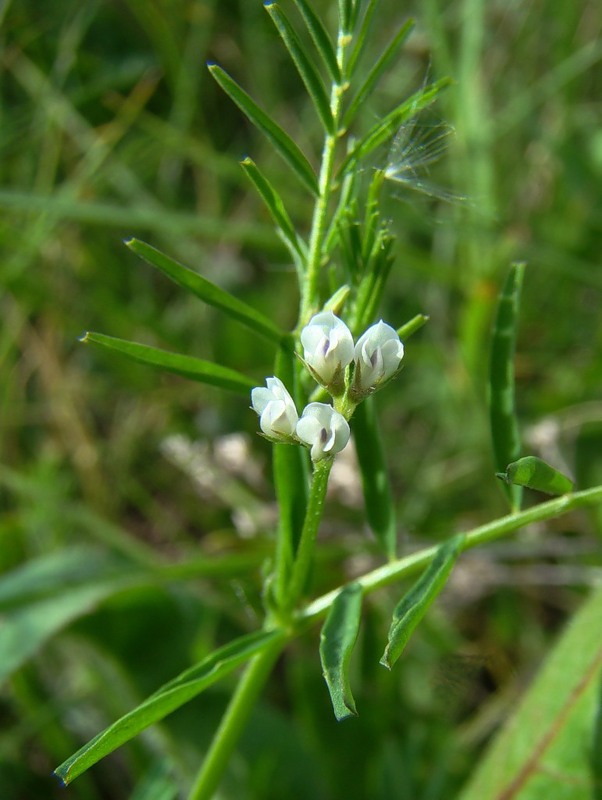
(376, 72)
(186, 366)
(276, 208)
(362, 36)
(534, 473)
(378, 499)
(412, 326)
(320, 38)
(545, 747)
(414, 605)
(505, 433)
(337, 640)
(283, 143)
(167, 699)
(384, 130)
(291, 482)
(206, 291)
(309, 76)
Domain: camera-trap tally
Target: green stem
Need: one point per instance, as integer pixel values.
(234, 719)
(402, 567)
(311, 295)
(305, 550)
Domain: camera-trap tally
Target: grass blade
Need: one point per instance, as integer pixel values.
(309, 76)
(545, 747)
(337, 639)
(376, 72)
(505, 435)
(167, 699)
(414, 605)
(384, 130)
(188, 367)
(534, 473)
(283, 143)
(206, 291)
(320, 38)
(275, 206)
(378, 499)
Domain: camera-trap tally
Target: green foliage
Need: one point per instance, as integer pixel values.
(283, 143)
(502, 405)
(413, 606)
(534, 473)
(378, 497)
(186, 366)
(551, 733)
(137, 534)
(165, 700)
(206, 291)
(337, 640)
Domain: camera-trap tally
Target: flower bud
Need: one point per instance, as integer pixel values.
(276, 408)
(323, 429)
(377, 357)
(328, 348)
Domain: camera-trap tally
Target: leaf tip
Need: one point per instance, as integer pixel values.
(61, 778)
(347, 713)
(385, 662)
(84, 338)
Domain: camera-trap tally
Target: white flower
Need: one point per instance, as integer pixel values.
(324, 429)
(276, 408)
(377, 357)
(328, 348)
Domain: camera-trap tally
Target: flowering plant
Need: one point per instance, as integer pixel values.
(328, 368)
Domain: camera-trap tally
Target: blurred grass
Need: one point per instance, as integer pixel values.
(111, 128)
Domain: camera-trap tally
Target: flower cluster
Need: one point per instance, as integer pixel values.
(343, 368)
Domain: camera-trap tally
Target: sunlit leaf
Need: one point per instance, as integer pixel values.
(320, 38)
(283, 143)
(414, 605)
(337, 640)
(207, 291)
(303, 62)
(376, 72)
(275, 206)
(361, 36)
(534, 473)
(412, 326)
(167, 699)
(186, 366)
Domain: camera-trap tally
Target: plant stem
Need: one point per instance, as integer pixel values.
(235, 717)
(305, 550)
(402, 567)
(311, 295)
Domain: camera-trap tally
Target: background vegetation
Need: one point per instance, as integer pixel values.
(112, 127)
